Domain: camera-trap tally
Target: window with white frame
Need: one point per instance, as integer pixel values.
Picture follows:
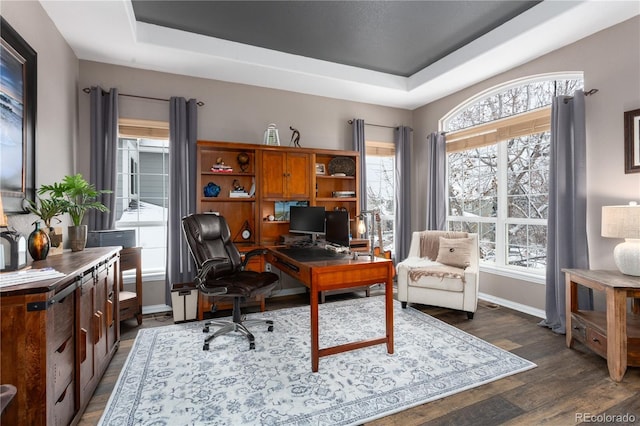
(498, 169)
(142, 188)
(381, 185)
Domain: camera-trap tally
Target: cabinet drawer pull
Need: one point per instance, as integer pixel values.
(83, 345)
(97, 327)
(62, 396)
(110, 310)
(595, 339)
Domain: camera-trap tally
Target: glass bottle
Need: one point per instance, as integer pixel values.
(38, 243)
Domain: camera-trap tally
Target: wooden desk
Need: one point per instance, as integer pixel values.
(130, 302)
(613, 334)
(338, 274)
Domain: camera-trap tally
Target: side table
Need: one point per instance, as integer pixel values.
(613, 334)
(130, 302)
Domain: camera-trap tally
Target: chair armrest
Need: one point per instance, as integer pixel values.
(252, 253)
(215, 264)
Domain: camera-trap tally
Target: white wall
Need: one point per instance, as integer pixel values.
(610, 61)
(57, 110)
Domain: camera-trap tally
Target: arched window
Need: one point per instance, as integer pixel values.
(498, 169)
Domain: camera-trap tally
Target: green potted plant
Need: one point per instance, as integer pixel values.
(48, 209)
(77, 197)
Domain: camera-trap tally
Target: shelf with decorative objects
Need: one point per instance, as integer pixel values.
(274, 176)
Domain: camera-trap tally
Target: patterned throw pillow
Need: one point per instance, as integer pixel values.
(455, 252)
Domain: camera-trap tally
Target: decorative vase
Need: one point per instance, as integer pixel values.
(38, 243)
(77, 237)
(211, 190)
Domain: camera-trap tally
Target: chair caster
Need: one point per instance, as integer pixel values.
(205, 347)
(205, 330)
(270, 328)
(252, 345)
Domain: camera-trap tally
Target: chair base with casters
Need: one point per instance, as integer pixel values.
(221, 272)
(238, 324)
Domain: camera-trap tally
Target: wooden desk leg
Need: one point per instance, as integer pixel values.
(616, 333)
(388, 292)
(571, 302)
(315, 337)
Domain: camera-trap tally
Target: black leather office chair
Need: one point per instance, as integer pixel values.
(221, 272)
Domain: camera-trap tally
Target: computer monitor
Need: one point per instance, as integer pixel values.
(337, 227)
(306, 220)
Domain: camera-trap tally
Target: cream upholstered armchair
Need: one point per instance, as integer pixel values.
(442, 269)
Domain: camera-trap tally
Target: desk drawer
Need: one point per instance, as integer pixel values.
(578, 328)
(597, 342)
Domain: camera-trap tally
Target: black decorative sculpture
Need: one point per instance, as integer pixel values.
(295, 137)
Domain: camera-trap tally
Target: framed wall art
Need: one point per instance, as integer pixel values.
(632, 141)
(18, 67)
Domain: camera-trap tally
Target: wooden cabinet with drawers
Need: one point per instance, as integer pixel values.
(58, 337)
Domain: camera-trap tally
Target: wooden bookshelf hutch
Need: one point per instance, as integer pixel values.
(272, 174)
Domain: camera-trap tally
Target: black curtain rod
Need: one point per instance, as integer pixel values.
(88, 90)
(586, 93)
(377, 125)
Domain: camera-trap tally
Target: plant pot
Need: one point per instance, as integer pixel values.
(38, 243)
(77, 237)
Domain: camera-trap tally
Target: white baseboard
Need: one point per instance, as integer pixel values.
(513, 305)
(155, 309)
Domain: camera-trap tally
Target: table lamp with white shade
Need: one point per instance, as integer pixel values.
(624, 222)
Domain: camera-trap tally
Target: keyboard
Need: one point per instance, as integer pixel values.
(310, 254)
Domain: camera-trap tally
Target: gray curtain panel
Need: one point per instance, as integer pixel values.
(182, 193)
(437, 184)
(357, 126)
(402, 139)
(567, 221)
(104, 144)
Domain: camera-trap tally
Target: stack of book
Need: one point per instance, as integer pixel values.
(221, 168)
(234, 193)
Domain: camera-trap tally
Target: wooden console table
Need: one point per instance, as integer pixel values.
(58, 337)
(613, 334)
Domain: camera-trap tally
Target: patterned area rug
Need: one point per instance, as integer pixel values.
(169, 380)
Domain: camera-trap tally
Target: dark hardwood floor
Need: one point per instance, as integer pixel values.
(568, 387)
